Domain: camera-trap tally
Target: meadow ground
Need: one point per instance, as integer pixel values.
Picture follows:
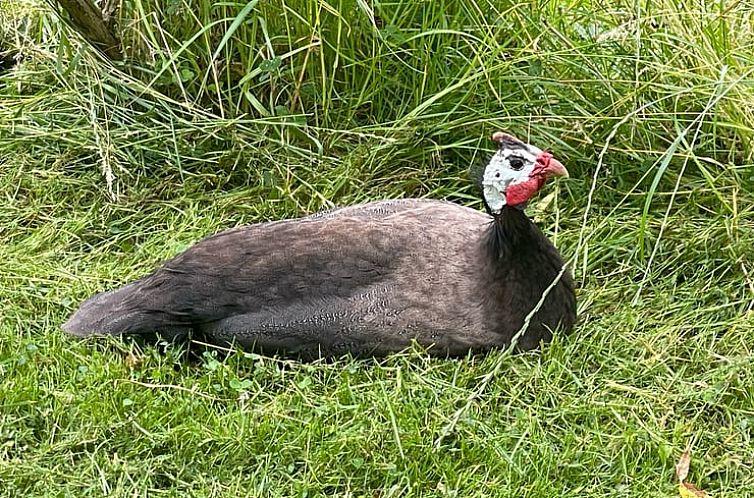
(236, 113)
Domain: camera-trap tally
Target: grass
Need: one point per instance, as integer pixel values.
(236, 113)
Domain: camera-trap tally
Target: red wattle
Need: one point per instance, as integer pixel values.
(522, 192)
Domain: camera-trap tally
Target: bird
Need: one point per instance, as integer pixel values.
(366, 280)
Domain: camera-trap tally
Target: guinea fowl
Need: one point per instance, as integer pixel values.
(366, 279)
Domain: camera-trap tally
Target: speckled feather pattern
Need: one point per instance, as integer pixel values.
(364, 280)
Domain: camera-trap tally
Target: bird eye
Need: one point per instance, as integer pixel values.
(516, 163)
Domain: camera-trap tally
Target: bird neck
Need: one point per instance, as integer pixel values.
(510, 233)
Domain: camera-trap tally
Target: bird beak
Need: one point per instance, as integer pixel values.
(556, 168)
(553, 167)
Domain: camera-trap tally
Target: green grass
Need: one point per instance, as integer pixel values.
(225, 115)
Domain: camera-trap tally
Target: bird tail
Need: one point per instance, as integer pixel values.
(121, 311)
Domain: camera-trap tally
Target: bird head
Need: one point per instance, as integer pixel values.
(516, 172)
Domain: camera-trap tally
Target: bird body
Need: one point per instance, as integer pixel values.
(364, 280)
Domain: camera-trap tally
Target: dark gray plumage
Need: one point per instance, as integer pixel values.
(364, 280)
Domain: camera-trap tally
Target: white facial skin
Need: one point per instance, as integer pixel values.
(501, 172)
